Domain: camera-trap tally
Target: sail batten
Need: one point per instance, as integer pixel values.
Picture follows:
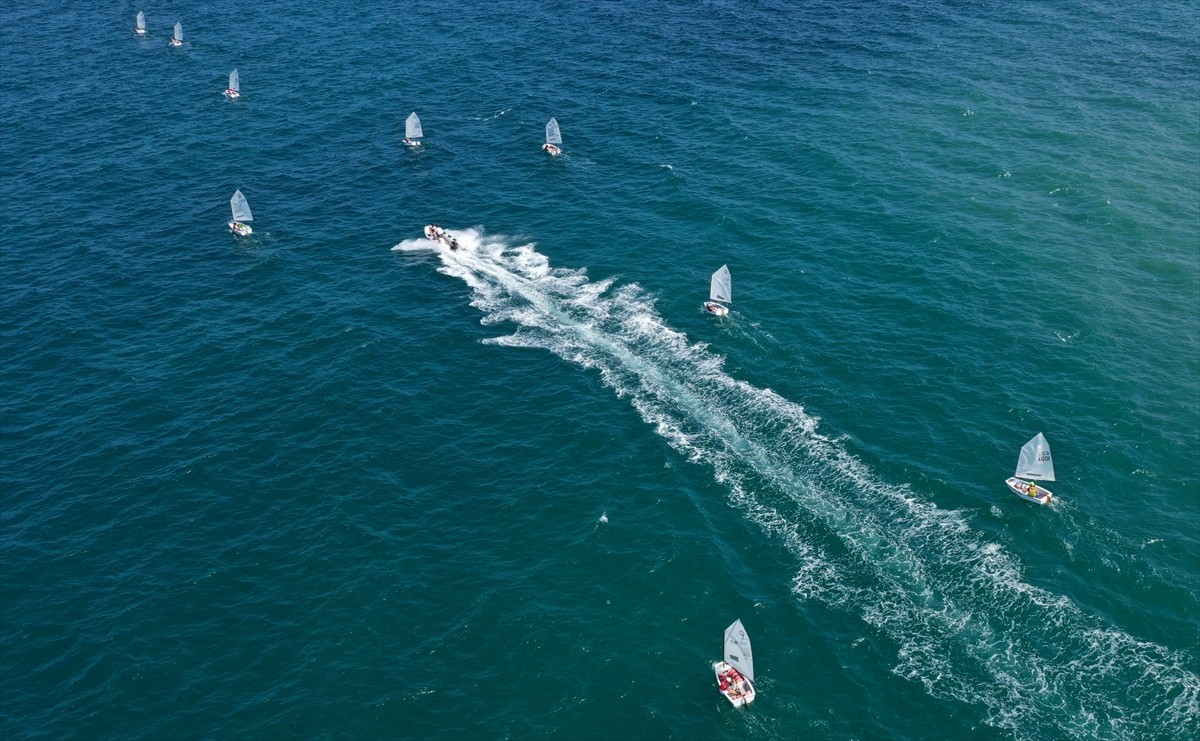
(1035, 461)
(737, 649)
(412, 127)
(241, 209)
(553, 135)
(721, 287)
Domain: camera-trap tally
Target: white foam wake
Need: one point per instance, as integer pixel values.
(968, 626)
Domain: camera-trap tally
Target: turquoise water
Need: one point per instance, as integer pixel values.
(329, 482)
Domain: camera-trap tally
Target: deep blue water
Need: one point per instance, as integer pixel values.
(329, 481)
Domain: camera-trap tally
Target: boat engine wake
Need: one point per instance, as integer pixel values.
(968, 627)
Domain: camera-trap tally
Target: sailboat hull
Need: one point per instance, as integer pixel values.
(240, 229)
(1021, 489)
(712, 307)
(551, 149)
(232, 94)
(739, 692)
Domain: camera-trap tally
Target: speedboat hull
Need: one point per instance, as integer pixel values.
(1021, 489)
(733, 685)
(712, 307)
(435, 233)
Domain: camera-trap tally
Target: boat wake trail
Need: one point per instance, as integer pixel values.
(967, 625)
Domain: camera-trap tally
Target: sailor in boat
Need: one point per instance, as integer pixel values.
(551, 149)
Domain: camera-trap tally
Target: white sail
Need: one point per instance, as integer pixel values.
(1035, 461)
(412, 127)
(241, 209)
(721, 288)
(141, 21)
(178, 31)
(234, 83)
(737, 650)
(553, 135)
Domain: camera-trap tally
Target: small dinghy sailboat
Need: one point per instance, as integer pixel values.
(435, 233)
(177, 39)
(720, 289)
(241, 212)
(553, 138)
(735, 675)
(1034, 464)
(234, 90)
(140, 25)
(412, 131)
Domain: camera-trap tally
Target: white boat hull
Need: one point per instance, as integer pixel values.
(437, 234)
(712, 307)
(551, 149)
(739, 692)
(232, 94)
(240, 229)
(412, 142)
(1021, 489)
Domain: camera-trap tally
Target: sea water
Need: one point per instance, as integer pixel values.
(332, 481)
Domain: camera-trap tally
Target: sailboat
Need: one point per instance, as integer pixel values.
(241, 212)
(553, 138)
(735, 675)
(720, 289)
(140, 26)
(412, 131)
(177, 39)
(235, 86)
(1034, 464)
